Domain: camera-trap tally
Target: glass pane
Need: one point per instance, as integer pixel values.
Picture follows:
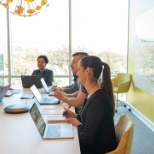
(4, 81)
(3, 45)
(99, 27)
(60, 82)
(45, 33)
(16, 82)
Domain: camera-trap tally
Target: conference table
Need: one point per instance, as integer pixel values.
(19, 135)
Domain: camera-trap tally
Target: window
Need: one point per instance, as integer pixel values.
(3, 47)
(47, 34)
(98, 27)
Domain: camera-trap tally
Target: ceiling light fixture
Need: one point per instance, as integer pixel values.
(24, 7)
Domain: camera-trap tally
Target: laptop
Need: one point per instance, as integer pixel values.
(43, 100)
(50, 131)
(29, 80)
(47, 90)
(3, 91)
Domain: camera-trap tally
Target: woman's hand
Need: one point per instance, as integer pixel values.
(74, 121)
(58, 95)
(69, 114)
(55, 88)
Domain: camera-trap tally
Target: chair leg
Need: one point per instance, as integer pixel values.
(116, 104)
(129, 109)
(125, 105)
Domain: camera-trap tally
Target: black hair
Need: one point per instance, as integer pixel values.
(44, 57)
(99, 67)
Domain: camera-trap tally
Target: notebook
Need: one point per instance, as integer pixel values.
(53, 111)
(56, 118)
(47, 90)
(15, 91)
(3, 91)
(27, 96)
(43, 100)
(50, 131)
(29, 80)
(11, 91)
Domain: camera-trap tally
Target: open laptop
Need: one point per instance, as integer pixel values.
(47, 90)
(3, 91)
(43, 100)
(29, 80)
(50, 131)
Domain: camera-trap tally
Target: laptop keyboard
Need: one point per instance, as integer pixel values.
(46, 100)
(53, 131)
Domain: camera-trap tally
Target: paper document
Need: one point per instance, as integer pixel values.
(15, 91)
(53, 111)
(27, 96)
(56, 118)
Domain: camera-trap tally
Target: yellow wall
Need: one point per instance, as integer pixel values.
(141, 100)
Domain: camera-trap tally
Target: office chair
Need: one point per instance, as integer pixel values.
(124, 133)
(121, 84)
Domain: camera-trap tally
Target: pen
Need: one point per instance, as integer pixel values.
(69, 107)
(64, 113)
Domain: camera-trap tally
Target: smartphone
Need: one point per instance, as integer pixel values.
(52, 93)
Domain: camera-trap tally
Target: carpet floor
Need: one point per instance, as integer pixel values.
(143, 139)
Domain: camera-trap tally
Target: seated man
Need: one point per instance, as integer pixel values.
(74, 86)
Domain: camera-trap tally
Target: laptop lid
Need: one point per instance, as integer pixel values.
(3, 91)
(36, 93)
(50, 100)
(29, 80)
(47, 90)
(50, 131)
(38, 119)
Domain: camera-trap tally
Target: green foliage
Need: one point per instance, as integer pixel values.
(25, 59)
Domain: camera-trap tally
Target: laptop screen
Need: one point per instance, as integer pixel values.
(44, 85)
(38, 119)
(36, 93)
